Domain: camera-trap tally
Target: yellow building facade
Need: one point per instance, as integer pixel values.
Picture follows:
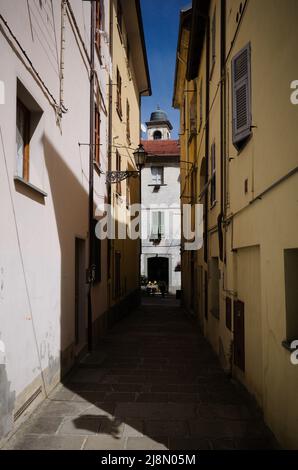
(129, 81)
(239, 142)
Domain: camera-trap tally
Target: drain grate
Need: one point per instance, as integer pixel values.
(27, 403)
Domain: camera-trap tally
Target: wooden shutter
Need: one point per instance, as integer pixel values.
(128, 121)
(241, 93)
(118, 168)
(201, 104)
(96, 135)
(98, 23)
(119, 93)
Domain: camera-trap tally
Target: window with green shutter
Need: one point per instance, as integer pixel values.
(241, 93)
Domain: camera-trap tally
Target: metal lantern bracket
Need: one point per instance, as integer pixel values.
(117, 176)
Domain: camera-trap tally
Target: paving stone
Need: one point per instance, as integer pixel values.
(133, 428)
(204, 428)
(80, 425)
(120, 397)
(223, 411)
(42, 442)
(146, 443)
(152, 397)
(43, 425)
(101, 442)
(154, 383)
(111, 427)
(87, 376)
(222, 444)
(89, 397)
(156, 410)
(188, 443)
(101, 409)
(166, 428)
(63, 408)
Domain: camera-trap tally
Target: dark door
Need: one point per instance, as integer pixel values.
(158, 269)
(80, 294)
(239, 335)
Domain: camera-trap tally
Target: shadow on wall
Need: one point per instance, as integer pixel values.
(70, 204)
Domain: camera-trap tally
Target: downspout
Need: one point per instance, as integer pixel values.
(207, 161)
(91, 177)
(61, 108)
(222, 128)
(110, 132)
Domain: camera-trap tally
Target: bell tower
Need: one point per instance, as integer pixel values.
(159, 127)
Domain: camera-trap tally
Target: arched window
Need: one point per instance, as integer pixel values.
(157, 135)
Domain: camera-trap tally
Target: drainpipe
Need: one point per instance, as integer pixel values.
(222, 128)
(91, 175)
(207, 160)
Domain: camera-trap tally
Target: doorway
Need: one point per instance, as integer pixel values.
(158, 269)
(80, 295)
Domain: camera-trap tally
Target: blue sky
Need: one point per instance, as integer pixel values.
(161, 23)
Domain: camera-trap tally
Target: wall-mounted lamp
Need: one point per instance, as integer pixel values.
(140, 156)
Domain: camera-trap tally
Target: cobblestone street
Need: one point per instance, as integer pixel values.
(154, 383)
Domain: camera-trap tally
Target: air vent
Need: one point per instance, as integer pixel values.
(27, 404)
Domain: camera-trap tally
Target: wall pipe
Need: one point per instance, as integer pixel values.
(91, 179)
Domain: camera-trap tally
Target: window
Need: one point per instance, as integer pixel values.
(157, 225)
(291, 293)
(96, 134)
(118, 168)
(213, 175)
(96, 254)
(22, 140)
(119, 16)
(157, 174)
(213, 43)
(99, 24)
(201, 105)
(157, 135)
(128, 121)
(241, 95)
(117, 286)
(119, 93)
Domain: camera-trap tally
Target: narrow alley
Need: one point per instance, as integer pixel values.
(154, 383)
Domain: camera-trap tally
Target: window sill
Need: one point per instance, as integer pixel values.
(287, 345)
(32, 187)
(157, 185)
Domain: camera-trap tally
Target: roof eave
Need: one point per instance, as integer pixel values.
(184, 14)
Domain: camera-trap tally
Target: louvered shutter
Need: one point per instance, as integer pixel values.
(161, 224)
(154, 225)
(241, 92)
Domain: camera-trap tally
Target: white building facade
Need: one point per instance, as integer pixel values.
(44, 186)
(161, 215)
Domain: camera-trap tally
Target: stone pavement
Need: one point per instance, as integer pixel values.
(154, 383)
